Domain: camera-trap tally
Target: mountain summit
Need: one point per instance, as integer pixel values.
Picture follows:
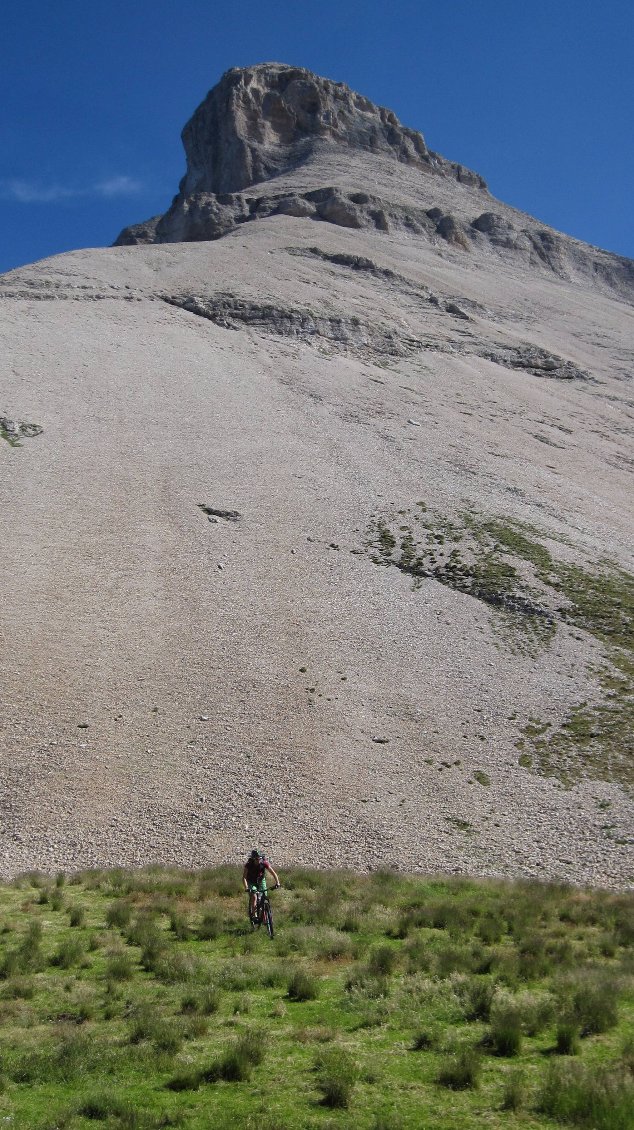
(262, 122)
(278, 140)
(316, 499)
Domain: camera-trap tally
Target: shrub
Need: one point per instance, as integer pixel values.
(381, 961)
(533, 961)
(452, 959)
(624, 922)
(210, 926)
(19, 989)
(179, 926)
(352, 920)
(317, 1035)
(336, 1074)
(209, 1001)
(28, 958)
(242, 1004)
(119, 967)
(73, 1054)
(149, 1025)
(170, 966)
(189, 1079)
(562, 953)
(505, 1033)
(144, 1023)
(514, 1096)
(167, 1039)
(567, 1038)
(76, 916)
(536, 1010)
(594, 1006)
(332, 944)
(56, 899)
(595, 1098)
(118, 914)
(456, 918)
(490, 929)
(103, 1107)
(476, 995)
(69, 952)
(302, 987)
(363, 985)
(627, 1054)
(424, 1040)
(223, 881)
(238, 1061)
(503, 963)
(460, 1071)
(419, 958)
(195, 1027)
(608, 945)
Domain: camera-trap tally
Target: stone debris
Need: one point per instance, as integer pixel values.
(13, 430)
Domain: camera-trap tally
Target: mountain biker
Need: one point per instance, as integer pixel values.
(254, 877)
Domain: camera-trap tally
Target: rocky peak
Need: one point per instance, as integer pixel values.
(262, 122)
(265, 120)
(275, 140)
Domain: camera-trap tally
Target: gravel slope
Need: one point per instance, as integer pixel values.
(176, 689)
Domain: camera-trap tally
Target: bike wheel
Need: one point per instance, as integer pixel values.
(268, 918)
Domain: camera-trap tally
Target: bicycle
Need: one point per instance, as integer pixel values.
(263, 913)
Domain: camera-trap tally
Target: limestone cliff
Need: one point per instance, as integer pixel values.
(276, 140)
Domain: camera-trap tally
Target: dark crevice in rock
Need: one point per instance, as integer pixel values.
(533, 359)
(215, 512)
(354, 262)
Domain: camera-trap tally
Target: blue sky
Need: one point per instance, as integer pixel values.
(538, 97)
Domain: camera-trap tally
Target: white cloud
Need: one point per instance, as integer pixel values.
(25, 193)
(29, 192)
(117, 186)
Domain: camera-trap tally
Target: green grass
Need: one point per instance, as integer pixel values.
(380, 997)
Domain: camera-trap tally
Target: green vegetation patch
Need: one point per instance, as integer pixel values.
(495, 563)
(532, 595)
(382, 996)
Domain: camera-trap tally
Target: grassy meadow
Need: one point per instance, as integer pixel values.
(142, 999)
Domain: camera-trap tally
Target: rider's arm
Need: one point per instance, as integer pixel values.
(274, 874)
(244, 878)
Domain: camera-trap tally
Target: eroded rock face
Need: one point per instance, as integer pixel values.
(264, 120)
(259, 122)
(269, 120)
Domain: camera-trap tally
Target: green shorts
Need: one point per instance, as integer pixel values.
(261, 886)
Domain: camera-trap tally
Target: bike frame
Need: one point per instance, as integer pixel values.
(262, 911)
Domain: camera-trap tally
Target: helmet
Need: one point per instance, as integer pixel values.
(255, 854)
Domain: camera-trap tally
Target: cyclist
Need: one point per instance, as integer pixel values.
(254, 877)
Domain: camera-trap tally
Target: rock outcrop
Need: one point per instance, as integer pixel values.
(267, 140)
(261, 122)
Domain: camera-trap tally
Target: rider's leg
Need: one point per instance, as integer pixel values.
(263, 891)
